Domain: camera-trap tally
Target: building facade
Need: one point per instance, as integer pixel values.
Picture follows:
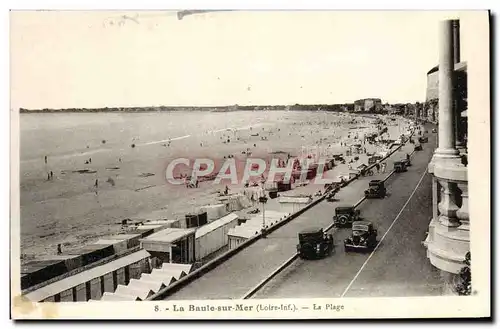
(448, 240)
(368, 105)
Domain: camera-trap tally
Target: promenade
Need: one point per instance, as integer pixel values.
(233, 278)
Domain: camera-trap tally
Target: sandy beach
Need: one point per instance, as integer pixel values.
(127, 154)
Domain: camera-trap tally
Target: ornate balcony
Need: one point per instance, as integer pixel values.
(448, 239)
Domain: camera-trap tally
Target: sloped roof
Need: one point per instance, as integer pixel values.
(215, 224)
(82, 277)
(169, 235)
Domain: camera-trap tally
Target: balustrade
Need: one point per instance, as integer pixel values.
(452, 203)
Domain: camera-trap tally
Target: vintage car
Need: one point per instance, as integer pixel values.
(376, 189)
(399, 166)
(345, 216)
(406, 161)
(364, 171)
(418, 147)
(373, 159)
(314, 243)
(423, 140)
(363, 237)
(331, 190)
(434, 130)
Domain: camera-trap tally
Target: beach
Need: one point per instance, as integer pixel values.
(127, 156)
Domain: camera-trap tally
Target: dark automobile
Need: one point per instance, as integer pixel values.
(344, 216)
(363, 237)
(399, 166)
(406, 161)
(423, 139)
(374, 159)
(314, 244)
(376, 189)
(418, 147)
(434, 130)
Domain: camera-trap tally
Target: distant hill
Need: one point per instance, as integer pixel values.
(348, 107)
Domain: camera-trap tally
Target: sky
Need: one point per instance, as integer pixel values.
(106, 59)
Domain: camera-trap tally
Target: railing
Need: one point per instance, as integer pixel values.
(448, 240)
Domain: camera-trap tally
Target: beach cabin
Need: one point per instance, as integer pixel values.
(213, 236)
(292, 204)
(35, 272)
(195, 220)
(214, 211)
(235, 202)
(92, 253)
(253, 227)
(144, 230)
(171, 245)
(132, 240)
(93, 282)
(157, 217)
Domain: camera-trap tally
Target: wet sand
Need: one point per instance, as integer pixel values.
(70, 210)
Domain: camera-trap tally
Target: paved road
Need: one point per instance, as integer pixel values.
(399, 267)
(237, 275)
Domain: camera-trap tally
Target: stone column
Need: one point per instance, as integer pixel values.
(463, 213)
(456, 41)
(456, 109)
(448, 206)
(447, 139)
(449, 229)
(436, 189)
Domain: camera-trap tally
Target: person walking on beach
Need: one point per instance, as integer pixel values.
(51, 174)
(48, 176)
(59, 250)
(45, 159)
(96, 184)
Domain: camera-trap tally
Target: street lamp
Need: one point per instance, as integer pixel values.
(263, 200)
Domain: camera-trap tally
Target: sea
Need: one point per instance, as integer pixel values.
(109, 166)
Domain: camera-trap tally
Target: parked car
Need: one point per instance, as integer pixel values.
(407, 162)
(314, 243)
(399, 166)
(418, 147)
(363, 237)
(376, 189)
(374, 159)
(434, 130)
(345, 216)
(423, 140)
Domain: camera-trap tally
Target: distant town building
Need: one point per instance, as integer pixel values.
(432, 93)
(368, 105)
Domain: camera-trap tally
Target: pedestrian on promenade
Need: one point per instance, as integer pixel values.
(378, 168)
(59, 250)
(51, 174)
